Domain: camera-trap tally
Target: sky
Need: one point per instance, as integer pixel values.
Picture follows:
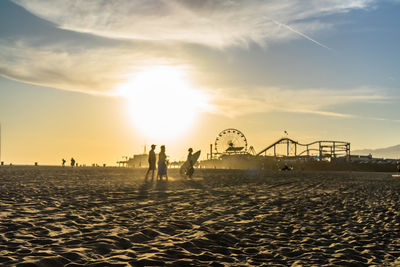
(98, 80)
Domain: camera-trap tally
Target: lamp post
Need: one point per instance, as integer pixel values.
(0, 146)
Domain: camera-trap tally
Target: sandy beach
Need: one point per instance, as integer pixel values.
(53, 216)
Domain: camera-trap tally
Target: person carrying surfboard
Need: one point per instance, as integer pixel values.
(190, 169)
(187, 168)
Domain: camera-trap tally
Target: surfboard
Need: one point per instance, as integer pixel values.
(185, 166)
(395, 175)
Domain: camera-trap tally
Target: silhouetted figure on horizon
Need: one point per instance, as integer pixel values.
(72, 162)
(162, 164)
(190, 169)
(398, 166)
(286, 168)
(63, 162)
(152, 162)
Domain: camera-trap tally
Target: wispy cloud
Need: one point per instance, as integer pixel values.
(157, 29)
(301, 34)
(208, 22)
(95, 71)
(100, 70)
(160, 25)
(310, 101)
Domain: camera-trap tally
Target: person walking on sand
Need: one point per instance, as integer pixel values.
(162, 164)
(63, 162)
(72, 162)
(152, 162)
(190, 169)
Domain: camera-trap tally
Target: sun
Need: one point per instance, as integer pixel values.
(161, 102)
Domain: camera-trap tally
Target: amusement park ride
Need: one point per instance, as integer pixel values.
(232, 142)
(231, 150)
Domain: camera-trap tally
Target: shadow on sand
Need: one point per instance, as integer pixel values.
(143, 191)
(161, 188)
(198, 185)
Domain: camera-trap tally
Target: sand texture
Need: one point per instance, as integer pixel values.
(110, 217)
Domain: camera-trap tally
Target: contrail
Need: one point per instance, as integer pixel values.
(301, 34)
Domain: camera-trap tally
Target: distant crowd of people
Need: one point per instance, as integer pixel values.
(163, 163)
(73, 162)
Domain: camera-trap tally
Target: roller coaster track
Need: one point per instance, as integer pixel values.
(324, 148)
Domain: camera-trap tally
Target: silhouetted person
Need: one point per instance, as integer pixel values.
(190, 169)
(72, 162)
(63, 162)
(286, 168)
(162, 164)
(398, 166)
(152, 162)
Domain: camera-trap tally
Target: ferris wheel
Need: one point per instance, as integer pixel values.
(230, 141)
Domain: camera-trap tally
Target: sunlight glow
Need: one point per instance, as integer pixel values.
(161, 102)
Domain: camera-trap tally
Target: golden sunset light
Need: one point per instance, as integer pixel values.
(161, 102)
(199, 133)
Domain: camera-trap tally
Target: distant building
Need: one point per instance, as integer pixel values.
(138, 161)
(361, 158)
(371, 159)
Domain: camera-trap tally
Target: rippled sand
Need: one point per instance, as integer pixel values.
(111, 217)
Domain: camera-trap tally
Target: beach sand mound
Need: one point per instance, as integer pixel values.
(112, 217)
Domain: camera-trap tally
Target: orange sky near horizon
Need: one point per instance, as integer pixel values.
(99, 129)
(99, 80)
